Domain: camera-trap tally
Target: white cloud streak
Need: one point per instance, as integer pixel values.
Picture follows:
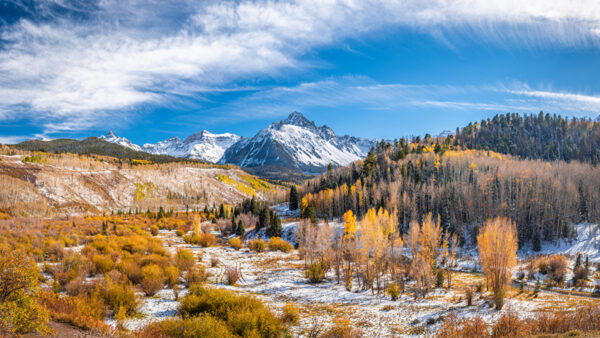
(72, 74)
(364, 94)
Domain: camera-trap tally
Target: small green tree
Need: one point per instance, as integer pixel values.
(293, 198)
(439, 278)
(275, 230)
(240, 231)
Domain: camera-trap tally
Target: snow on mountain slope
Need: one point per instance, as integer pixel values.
(112, 138)
(203, 145)
(298, 144)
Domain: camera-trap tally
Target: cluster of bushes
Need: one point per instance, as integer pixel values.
(278, 244)
(257, 245)
(202, 239)
(553, 266)
(219, 313)
(274, 244)
(586, 319)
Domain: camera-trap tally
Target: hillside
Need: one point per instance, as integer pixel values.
(543, 136)
(44, 184)
(94, 145)
(463, 187)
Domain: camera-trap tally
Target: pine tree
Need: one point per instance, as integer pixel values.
(240, 231)
(233, 224)
(577, 262)
(263, 218)
(104, 228)
(536, 241)
(310, 213)
(221, 211)
(275, 230)
(439, 278)
(293, 198)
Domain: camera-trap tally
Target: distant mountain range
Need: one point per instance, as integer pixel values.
(291, 145)
(203, 145)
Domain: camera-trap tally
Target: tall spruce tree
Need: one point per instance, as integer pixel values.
(293, 198)
(240, 231)
(275, 230)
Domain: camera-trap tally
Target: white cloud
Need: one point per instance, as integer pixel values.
(12, 139)
(361, 93)
(70, 74)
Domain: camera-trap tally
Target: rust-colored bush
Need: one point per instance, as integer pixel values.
(195, 275)
(257, 245)
(153, 279)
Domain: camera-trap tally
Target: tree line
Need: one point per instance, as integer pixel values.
(463, 187)
(541, 136)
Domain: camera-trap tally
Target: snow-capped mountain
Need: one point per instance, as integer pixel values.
(201, 146)
(298, 144)
(112, 138)
(295, 144)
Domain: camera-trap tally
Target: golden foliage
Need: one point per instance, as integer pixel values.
(497, 243)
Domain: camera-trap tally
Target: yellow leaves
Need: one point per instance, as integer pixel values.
(304, 203)
(349, 224)
(241, 187)
(472, 166)
(376, 229)
(497, 243)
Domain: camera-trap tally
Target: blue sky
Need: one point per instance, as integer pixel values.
(380, 69)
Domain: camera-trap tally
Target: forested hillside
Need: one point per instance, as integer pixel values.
(464, 188)
(544, 136)
(95, 146)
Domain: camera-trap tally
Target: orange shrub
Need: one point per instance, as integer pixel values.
(235, 243)
(84, 311)
(171, 276)
(102, 263)
(153, 279)
(184, 259)
(276, 243)
(257, 245)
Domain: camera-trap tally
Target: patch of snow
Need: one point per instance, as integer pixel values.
(587, 243)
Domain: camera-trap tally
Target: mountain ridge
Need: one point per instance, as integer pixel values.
(299, 144)
(294, 144)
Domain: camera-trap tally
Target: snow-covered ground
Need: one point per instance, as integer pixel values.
(277, 278)
(587, 243)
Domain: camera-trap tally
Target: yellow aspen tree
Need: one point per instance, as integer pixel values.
(349, 224)
(429, 238)
(497, 243)
(303, 204)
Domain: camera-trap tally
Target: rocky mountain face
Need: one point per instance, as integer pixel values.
(112, 138)
(297, 144)
(203, 146)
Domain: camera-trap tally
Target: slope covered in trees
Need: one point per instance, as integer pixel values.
(543, 136)
(96, 146)
(464, 188)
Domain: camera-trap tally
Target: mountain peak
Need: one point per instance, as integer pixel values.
(296, 118)
(110, 134)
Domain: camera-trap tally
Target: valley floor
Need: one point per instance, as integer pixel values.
(277, 278)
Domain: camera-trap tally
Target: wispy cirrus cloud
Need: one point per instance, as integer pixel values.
(362, 93)
(72, 65)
